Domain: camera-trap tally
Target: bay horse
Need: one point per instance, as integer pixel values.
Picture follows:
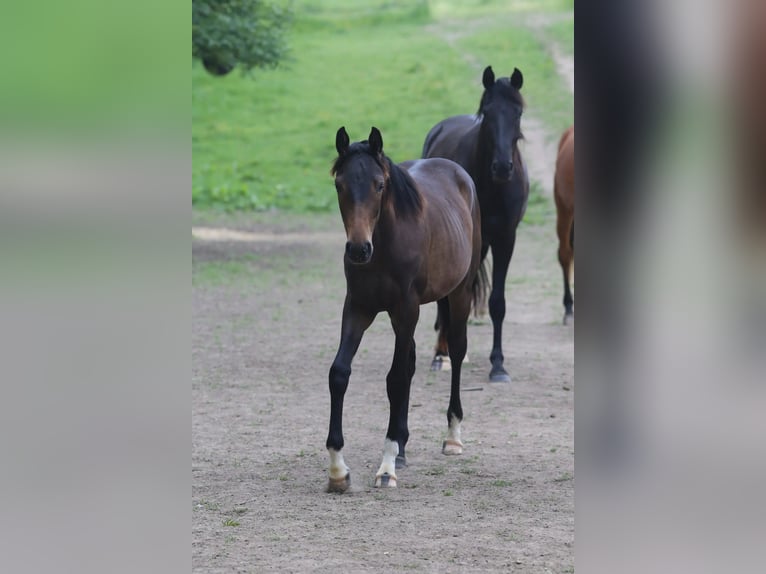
(486, 146)
(563, 194)
(413, 235)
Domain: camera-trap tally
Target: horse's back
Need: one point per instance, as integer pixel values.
(443, 181)
(444, 138)
(565, 172)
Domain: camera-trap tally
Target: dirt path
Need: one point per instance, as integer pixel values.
(266, 321)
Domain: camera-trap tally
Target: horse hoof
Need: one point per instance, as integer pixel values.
(385, 480)
(401, 462)
(339, 485)
(568, 319)
(441, 363)
(499, 376)
(451, 447)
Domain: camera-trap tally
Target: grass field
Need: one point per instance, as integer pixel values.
(267, 141)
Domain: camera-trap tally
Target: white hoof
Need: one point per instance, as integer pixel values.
(452, 447)
(441, 363)
(385, 480)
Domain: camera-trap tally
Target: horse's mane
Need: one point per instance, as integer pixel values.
(505, 90)
(406, 197)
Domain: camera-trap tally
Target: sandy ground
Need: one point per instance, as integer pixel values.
(266, 321)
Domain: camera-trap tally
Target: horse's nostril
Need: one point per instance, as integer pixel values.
(367, 248)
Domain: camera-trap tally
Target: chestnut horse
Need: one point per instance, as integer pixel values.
(413, 235)
(486, 146)
(563, 193)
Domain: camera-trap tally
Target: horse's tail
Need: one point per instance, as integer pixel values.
(480, 288)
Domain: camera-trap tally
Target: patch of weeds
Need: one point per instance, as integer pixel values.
(448, 493)
(230, 522)
(240, 511)
(563, 478)
(553, 449)
(283, 477)
(467, 471)
(436, 471)
(207, 505)
(502, 483)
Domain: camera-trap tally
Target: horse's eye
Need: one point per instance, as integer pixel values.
(380, 187)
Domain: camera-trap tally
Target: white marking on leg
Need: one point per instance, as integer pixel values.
(453, 434)
(452, 444)
(338, 468)
(388, 466)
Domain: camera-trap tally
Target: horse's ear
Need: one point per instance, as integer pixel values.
(489, 78)
(341, 141)
(375, 140)
(517, 79)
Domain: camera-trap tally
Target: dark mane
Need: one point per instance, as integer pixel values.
(406, 197)
(505, 90)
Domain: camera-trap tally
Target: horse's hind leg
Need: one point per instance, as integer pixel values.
(441, 361)
(355, 322)
(460, 307)
(565, 231)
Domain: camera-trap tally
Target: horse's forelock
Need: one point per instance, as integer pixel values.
(505, 90)
(358, 148)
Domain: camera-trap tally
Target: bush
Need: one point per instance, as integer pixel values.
(245, 33)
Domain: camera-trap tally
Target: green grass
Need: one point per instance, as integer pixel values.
(267, 141)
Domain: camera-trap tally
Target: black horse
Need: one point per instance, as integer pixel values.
(486, 146)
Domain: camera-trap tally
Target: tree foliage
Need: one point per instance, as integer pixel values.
(245, 33)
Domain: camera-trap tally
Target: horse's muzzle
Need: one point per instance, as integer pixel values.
(359, 253)
(501, 170)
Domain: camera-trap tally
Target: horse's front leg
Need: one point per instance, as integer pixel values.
(355, 322)
(501, 259)
(398, 384)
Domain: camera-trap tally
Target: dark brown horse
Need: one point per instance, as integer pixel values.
(486, 146)
(413, 235)
(563, 194)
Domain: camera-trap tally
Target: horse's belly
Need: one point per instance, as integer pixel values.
(448, 264)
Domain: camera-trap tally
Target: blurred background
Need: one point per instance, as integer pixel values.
(95, 175)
